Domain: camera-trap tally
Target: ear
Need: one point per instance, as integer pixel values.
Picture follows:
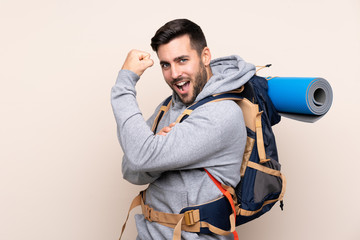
(206, 56)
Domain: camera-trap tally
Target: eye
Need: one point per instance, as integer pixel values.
(183, 60)
(164, 65)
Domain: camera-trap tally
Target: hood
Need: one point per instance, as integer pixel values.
(229, 73)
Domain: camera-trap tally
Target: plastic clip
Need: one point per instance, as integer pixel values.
(189, 217)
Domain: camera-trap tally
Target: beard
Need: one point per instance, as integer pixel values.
(198, 85)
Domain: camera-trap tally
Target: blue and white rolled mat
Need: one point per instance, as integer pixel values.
(302, 99)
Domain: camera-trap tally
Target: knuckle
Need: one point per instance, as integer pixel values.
(132, 52)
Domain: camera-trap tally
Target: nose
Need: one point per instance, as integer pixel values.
(175, 72)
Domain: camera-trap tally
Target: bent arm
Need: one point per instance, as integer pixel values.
(128, 116)
(206, 136)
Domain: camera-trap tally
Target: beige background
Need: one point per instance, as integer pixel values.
(60, 162)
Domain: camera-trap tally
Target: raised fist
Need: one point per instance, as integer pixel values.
(137, 61)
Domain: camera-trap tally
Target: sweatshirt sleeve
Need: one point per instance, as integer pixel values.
(209, 134)
(128, 117)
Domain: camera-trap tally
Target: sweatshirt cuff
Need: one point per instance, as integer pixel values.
(127, 76)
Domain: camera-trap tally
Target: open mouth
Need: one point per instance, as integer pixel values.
(183, 86)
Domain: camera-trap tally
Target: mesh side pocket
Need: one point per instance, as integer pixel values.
(267, 185)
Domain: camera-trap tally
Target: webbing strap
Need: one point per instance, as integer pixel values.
(215, 98)
(219, 231)
(177, 230)
(186, 112)
(231, 201)
(260, 139)
(230, 95)
(283, 189)
(212, 228)
(191, 218)
(224, 192)
(188, 221)
(163, 109)
(264, 169)
(136, 202)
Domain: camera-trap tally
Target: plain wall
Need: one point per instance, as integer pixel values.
(60, 161)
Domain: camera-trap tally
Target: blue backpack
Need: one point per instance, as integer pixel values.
(261, 184)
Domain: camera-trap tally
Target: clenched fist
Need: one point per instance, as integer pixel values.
(137, 61)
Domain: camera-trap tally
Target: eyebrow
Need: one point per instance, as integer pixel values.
(175, 59)
(181, 57)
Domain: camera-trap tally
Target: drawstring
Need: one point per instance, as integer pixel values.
(262, 67)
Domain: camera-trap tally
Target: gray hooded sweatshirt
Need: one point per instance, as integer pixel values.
(212, 137)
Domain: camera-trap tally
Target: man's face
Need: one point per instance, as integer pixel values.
(182, 68)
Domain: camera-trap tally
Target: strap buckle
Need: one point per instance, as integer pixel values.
(189, 217)
(147, 213)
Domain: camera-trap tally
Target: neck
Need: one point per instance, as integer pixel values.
(209, 72)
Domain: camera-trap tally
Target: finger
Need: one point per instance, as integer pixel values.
(145, 59)
(138, 61)
(161, 133)
(148, 62)
(166, 129)
(144, 55)
(172, 124)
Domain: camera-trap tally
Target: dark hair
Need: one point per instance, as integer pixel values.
(177, 28)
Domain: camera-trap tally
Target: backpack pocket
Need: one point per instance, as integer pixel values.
(267, 186)
(261, 184)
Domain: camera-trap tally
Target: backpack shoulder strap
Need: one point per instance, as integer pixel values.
(163, 109)
(232, 95)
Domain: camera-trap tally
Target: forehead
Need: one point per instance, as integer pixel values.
(179, 46)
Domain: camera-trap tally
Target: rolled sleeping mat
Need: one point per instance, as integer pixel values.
(302, 99)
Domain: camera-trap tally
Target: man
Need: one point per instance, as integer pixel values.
(213, 137)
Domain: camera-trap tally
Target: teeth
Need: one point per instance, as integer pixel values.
(180, 84)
